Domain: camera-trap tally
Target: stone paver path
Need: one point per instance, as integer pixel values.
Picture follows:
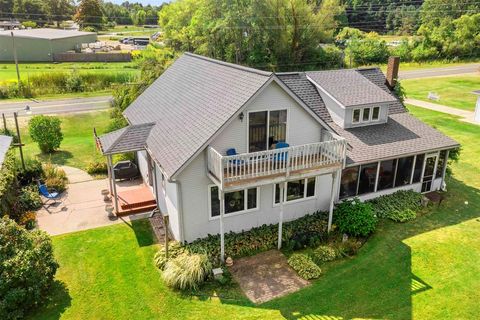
(466, 115)
(266, 276)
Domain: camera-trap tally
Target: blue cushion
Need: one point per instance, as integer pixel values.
(231, 152)
(280, 145)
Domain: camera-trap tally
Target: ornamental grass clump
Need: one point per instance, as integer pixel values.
(187, 271)
(174, 250)
(304, 266)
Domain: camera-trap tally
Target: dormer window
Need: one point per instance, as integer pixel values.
(365, 115)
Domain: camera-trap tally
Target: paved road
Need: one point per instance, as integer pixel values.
(74, 105)
(446, 71)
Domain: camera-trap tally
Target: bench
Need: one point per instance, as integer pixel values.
(433, 96)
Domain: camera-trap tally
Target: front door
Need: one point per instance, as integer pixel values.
(429, 172)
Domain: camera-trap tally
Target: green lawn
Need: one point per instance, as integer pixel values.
(78, 146)
(454, 91)
(9, 73)
(425, 269)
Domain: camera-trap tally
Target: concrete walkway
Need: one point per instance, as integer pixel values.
(465, 115)
(81, 206)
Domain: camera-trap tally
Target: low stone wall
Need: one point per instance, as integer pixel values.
(92, 57)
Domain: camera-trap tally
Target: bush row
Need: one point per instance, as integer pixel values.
(399, 206)
(302, 232)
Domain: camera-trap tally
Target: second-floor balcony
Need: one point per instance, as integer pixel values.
(273, 166)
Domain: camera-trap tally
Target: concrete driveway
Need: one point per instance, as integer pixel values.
(81, 206)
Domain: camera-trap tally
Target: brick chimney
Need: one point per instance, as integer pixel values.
(392, 71)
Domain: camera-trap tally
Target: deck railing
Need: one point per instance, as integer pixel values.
(274, 162)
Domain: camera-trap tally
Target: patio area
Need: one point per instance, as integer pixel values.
(266, 276)
(82, 205)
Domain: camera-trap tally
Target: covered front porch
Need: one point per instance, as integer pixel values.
(129, 192)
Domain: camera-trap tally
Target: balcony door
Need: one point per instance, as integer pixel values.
(429, 172)
(266, 129)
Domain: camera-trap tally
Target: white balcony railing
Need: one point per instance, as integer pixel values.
(285, 161)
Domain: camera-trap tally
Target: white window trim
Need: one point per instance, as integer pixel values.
(236, 213)
(268, 125)
(305, 198)
(370, 115)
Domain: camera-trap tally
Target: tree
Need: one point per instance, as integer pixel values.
(27, 268)
(59, 10)
(6, 10)
(89, 14)
(30, 10)
(369, 50)
(140, 17)
(46, 132)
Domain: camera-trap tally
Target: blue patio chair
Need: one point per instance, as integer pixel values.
(233, 152)
(47, 194)
(281, 156)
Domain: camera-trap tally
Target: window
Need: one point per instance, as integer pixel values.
(404, 171)
(376, 113)
(296, 190)
(356, 116)
(386, 176)
(265, 129)
(237, 201)
(368, 175)
(417, 171)
(366, 115)
(348, 185)
(441, 164)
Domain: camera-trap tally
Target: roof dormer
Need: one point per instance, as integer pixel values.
(351, 99)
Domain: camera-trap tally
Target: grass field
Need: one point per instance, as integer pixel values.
(9, 73)
(455, 91)
(424, 269)
(78, 146)
(121, 31)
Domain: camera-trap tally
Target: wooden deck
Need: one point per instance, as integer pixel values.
(136, 200)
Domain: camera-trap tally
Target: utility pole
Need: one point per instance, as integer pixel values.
(15, 57)
(20, 145)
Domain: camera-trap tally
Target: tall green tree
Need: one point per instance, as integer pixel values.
(89, 14)
(59, 10)
(30, 10)
(6, 10)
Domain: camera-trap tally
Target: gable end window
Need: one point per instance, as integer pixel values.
(365, 115)
(235, 202)
(296, 190)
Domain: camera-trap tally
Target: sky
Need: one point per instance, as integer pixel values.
(152, 2)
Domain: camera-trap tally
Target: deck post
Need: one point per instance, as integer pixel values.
(280, 222)
(444, 169)
(115, 197)
(221, 196)
(332, 200)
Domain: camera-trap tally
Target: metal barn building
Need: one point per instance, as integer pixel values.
(41, 44)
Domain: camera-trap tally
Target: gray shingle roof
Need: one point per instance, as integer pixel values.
(403, 134)
(350, 87)
(190, 102)
(45, 33)
(128, 139)
(5, 142)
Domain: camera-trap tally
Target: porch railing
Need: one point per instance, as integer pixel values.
(275, 162)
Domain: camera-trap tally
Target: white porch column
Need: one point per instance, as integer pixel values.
(115, 197)
(221, 196)
(445, 168)
(280, 222)
(109, 171)
(332, 200)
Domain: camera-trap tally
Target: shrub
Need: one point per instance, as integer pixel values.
(28, 220)
(55, 178)
(261, 238)
(29, 24)
(97, 167)
(33, 171)
(174, 250)
(391, 206)
(324, 254)
(304, 266)
(8, 184)
(187, 271)
(74, 83)
(349, 248)
(355, 218)
(46, 132)
(27, 269)
(29, 198)
(403, 215)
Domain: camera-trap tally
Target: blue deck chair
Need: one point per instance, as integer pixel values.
(49, 195)
(281, 156)
(233, 152)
